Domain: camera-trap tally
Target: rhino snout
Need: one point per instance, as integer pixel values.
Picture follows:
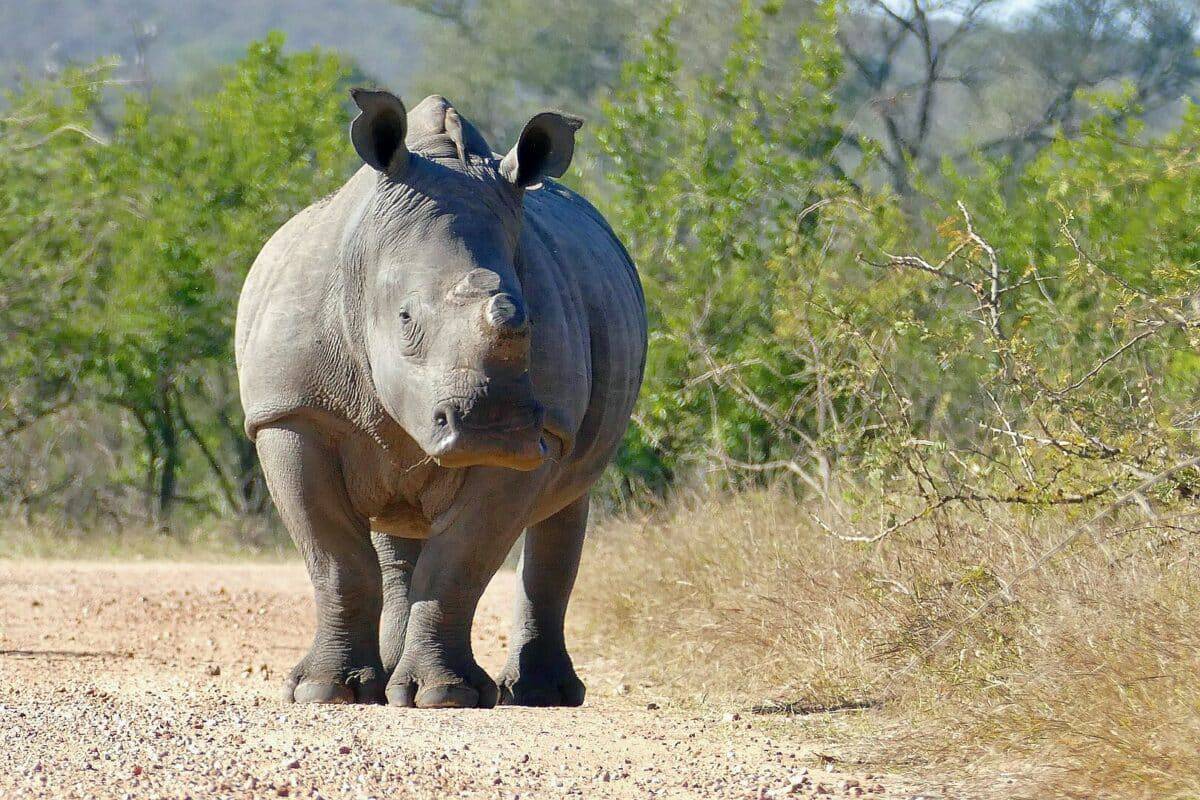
(488, 434)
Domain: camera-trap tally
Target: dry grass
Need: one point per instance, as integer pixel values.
(55, 539)
(1083, 682)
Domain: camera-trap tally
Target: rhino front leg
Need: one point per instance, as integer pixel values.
(305, 481)
(539, 670)
(397, 559)
(437, 668)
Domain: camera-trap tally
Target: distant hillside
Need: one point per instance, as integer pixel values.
(186, 37)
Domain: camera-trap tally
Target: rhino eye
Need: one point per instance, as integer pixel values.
(410, 334)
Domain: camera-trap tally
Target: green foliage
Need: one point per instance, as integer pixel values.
(129, 248)
(1061, 317)
(722, 181)
(202, 188)
(1048, 356)
(46, 264)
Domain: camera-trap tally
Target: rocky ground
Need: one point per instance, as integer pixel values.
(157, 680)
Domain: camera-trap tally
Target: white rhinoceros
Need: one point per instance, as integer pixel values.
(442, 354)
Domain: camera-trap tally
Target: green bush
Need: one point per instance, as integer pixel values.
(125, 249)
(1046, 355)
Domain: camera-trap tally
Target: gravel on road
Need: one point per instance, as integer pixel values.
(164, 680)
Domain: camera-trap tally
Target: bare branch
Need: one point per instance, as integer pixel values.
(84, 132)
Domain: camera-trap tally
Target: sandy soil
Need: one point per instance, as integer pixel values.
(164, 680)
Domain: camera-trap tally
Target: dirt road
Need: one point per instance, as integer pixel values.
(163, 680)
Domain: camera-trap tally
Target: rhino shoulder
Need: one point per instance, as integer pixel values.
(288, 339)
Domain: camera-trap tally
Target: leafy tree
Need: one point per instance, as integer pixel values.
(722, 182)
(137, 244)
(1047, 354)
(794, 330)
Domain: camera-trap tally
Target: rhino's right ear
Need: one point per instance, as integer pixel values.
(378, 131)
(544, 149)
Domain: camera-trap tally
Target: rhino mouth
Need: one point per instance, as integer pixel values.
(516, 441)
(494, 450)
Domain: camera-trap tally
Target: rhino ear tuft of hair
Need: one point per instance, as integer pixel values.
(378, 131)
(544, 149)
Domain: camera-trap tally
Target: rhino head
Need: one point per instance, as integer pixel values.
(433, 294)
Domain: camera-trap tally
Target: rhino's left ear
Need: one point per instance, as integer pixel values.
(378, 131)
(544, 149)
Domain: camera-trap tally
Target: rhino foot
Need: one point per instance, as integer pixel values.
(342, 684)
(530, 680)
(414, 686)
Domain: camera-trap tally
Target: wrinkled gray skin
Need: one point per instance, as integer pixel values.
(440, 355)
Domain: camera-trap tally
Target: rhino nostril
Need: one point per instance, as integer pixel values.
(504, 312)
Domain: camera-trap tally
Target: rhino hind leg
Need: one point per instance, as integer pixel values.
(303, 475)
(539, 671)
(397, 559)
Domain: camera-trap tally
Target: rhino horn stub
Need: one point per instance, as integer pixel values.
(502, 312)
(505, 314)
(477, 283)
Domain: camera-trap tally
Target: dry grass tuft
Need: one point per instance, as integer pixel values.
(1083, 682)
(57, 539)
